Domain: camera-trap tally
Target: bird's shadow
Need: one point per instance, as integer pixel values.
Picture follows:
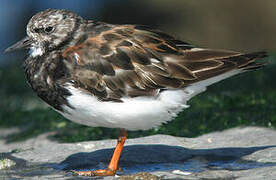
(145, 158)
(150, 158)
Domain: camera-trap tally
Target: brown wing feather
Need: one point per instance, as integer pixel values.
(115, 61)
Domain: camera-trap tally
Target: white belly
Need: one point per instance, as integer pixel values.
(138, 113)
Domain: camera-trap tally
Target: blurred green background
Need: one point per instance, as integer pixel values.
(247, 99)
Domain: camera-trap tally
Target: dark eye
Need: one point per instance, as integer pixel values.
(37, 30)
(49, 29)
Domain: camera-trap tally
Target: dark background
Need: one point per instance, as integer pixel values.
(247, 25)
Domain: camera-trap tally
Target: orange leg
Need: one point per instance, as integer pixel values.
(113, 165)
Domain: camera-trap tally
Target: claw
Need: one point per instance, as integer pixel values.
(82, 173)
(100, 172)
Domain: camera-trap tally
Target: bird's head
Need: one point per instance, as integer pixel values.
(48, 30)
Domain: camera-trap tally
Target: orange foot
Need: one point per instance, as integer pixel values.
(100, 172)
(113, 165)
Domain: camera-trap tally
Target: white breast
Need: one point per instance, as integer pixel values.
(138, 113)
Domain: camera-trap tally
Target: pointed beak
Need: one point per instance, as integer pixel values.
(22, 44)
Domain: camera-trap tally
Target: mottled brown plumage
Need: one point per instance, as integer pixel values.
(114, 61)
(129, 60)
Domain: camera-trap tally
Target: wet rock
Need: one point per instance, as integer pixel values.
(140, 176)
(240, 153)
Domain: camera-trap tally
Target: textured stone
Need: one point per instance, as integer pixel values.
(240, 153)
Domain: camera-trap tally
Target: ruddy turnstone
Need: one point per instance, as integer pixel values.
(130, 77)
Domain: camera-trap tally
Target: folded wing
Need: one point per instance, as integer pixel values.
(115, 61)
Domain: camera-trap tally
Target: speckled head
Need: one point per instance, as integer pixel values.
(49, 29)
(52, 27)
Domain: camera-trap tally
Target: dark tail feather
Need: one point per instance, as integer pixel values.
(256, 55)
(252, 58)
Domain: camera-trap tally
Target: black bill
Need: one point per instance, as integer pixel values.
(22, 44)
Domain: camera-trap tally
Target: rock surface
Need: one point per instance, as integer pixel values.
(240, 153)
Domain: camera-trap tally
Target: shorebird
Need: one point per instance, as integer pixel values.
(129, 77)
